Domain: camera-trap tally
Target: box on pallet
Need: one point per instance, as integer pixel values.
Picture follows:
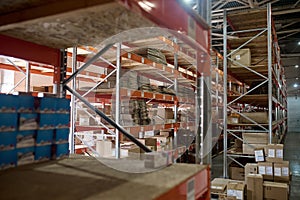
(236, 172)
(26, 104)
(62, 120)
(25, 155)
(8, 122)
(250, 168)
(9, 103)
(218, 185)
(274, 152)
(62, 105)
(45, 104)
(42, 152)
(61, 135)
(8, 140)
(254, 186)
(44, 137)
(282, 172)
(60, 151)
(236, 189)
(47, 121)
(28, 121)
(104, 148)
(25, 138)
(276, 191)
(266, 169)
(8, 159)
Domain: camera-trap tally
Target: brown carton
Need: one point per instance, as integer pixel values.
(276, 191)
(282, 172)
(218, 185)
(236, 189)
(255, 138)
(254, 187)
(274, 152)
(236, 173)
(250, 168)
(242, 56)
(266, 169)
(249, 148)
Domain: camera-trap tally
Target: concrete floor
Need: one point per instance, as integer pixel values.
(291, 153)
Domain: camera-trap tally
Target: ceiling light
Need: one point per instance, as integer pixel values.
(298, 43)
(187, 1)
(295, 85)
(297, 78)
(296, 66)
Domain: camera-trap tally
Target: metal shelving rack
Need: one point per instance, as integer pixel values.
(260, 37)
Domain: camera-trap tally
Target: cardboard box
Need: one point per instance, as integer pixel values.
(8, 159)
(62, 105)
(232, 119)
(282, 172)
(165, 113)
(259, 155)
(62, 120)
(255, 138)
(155, 160)
(218, 185)
(61, 135)
(274, 152)
(9, 103)
(266, 169)
(28, 121)
(47, 121)
(25, 138)
(44, 137)
(8, 140)
(249, 148)
(8, 122)
(60, 151)
(236, 173)
(25, 155)
(104, 148)
(26, 104)
(276, 191)
(242, 56)
(45, 104)
(254, 186)
(42, 153)
(250, 168)
(259, 117)
(236, 189)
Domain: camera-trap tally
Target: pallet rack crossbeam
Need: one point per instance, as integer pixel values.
(88, 63)
(16, 66)
(110, 121)
(236, 161)
(248, 131)
(245, 31)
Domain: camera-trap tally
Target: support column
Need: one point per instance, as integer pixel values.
(117, 113)
(27, 84)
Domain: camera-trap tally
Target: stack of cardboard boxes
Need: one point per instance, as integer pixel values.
(32, 129)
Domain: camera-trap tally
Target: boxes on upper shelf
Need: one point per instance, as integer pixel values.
(25, 138)
(9, 103)
(44, 137)
(258, 117)
(25, 155)
(8, 159)
(42, 152)
(28, 121)
(249, 148)
(274, 152)
(255, 138)
(242, 56)
(8, 122)
(276, 191)
(7, 140)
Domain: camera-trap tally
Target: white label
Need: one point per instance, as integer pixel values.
(285, 171)
(269, 170)
(238, 57)
(277, 171)
(262, 170)
(271, 153)
(259, 156)
(239, 194)
(190, 195)
(231, 193)
(279, 153)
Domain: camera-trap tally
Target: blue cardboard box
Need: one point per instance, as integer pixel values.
(47, 121)
(46, 104)
(62, 105)
(62, 120)
(61, 135)
(61, 151)
(8, 159)
(25, 138)
(44, 137)
(42, 152)
(26, 104)
(9, 103)
(7, 140)
(25, 155)
(28, 121)
(8, 122)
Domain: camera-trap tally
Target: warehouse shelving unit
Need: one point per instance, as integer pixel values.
(259, 36)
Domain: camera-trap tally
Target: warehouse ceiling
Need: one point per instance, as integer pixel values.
(286, 14)
(65, 23)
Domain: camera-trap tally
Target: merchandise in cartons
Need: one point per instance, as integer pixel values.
(45, 104)
(274, 152)
(249, 148)
(25, 138)
(61, 135)
(8, 159)
(44, 137)
(255, 138)
(62, 120)
(104, 148)
(254, 186)
(236, 173)
(155, 160)
(26, 104)
(236, 189)
(233, 119)
(242, 56)
(25, 155)
(7, 140)
(165, 113)
(266, 169)
(276, 191)
(28, 121)
(218, 185)
(282, 172)
(259, 155)
(250, 168)
(62, 105)
(42, 153)
(225, 197)
(152, 142)
(60, 151)
(8, 122)
(47, 121)
(258, 117)
(8, 103)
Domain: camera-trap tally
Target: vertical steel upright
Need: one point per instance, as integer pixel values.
(117, 113)
(27, 86)
(225, 171)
